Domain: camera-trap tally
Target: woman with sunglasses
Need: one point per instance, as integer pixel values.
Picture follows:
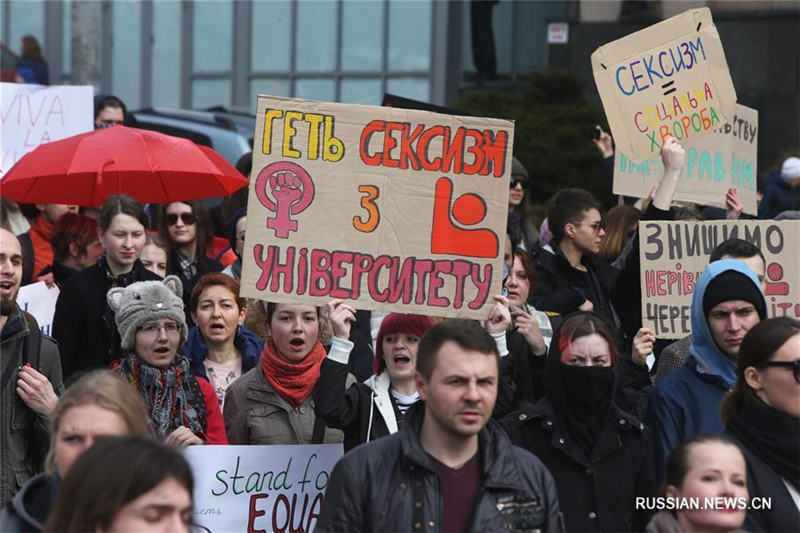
(762, 415)
(186, 228)
(519, 224)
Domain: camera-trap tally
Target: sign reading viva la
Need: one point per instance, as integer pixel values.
(668, 80)
(390, 209)
(725, 159)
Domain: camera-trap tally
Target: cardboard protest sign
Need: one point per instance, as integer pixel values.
(670, 79)
(260, 488)
(39, 301)
(674, 254)
(723, 159)
(389, 209)
(31, 115)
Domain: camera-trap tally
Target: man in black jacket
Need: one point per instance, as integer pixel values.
(446, 469)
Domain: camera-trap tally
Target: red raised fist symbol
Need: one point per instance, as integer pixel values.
(292, 189)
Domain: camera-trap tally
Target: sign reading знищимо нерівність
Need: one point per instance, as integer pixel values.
(674, 254)
(389, 209)
(670, 79)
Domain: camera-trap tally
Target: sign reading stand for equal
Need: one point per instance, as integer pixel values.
(389, 209)
(260, 488)
(670, 79)
(674, 254)
(724, 159)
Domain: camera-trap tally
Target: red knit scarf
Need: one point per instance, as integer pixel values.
(293, 381)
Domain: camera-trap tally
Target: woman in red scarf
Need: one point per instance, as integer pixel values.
(272, 403)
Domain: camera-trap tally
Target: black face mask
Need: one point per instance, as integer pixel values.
(588, 389)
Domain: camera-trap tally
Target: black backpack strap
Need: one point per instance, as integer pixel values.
(26, 245)
(32, 346)
(318, 434)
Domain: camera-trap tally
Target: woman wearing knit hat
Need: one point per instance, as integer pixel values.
(375, 408)
(272, 403)
(183, 409)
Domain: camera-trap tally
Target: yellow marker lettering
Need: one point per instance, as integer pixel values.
(333, 148)
(288, 132)
(269, 116)
(314, 120)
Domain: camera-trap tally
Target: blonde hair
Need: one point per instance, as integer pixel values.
(104, 389)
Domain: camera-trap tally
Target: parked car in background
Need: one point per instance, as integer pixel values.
(229, 132)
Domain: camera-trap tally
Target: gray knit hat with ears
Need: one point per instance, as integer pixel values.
(144, 301)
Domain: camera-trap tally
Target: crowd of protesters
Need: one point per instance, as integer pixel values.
(560, 411)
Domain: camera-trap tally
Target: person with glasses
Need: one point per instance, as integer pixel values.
(762, 415)
(186, 228)
(520, 226)
(570, 275)
(182, 407)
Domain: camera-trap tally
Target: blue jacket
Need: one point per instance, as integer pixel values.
(687, 402)
(195, 349)
(778, 197)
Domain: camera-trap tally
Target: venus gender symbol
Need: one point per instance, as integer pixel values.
(292, 190)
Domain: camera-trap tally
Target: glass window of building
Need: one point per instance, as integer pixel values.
(126, 22)
(213, 36)
(271, 31)
(315, 40)
(362, 32)
(409, 35)
(166, 54)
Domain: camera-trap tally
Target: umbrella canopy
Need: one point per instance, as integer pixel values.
(150, 166)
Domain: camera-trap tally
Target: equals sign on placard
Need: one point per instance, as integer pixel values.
(667, 87)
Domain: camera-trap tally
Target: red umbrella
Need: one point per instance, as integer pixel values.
(150, 166)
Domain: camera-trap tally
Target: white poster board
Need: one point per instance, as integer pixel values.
(260, 488)
(39, 301)
(31, 115)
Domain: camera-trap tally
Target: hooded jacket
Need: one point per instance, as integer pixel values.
(195, 349)
(391, 485)
(687, 402)
(597, 490)
(30, 506)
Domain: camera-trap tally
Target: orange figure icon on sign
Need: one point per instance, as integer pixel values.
(775, 287)
(467, 210)
(292, 190)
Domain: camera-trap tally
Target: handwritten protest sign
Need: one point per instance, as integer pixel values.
(723, 159)
(674, 254)
(39, 301)
(260, 488)
(670, 79)
(31, 115)
(391, 209)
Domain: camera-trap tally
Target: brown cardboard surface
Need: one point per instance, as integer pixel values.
(674, 254)
(669, 77)
(412, 221)
(723, 159)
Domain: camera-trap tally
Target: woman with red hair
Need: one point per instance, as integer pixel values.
(375, 408)
(600, 456)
